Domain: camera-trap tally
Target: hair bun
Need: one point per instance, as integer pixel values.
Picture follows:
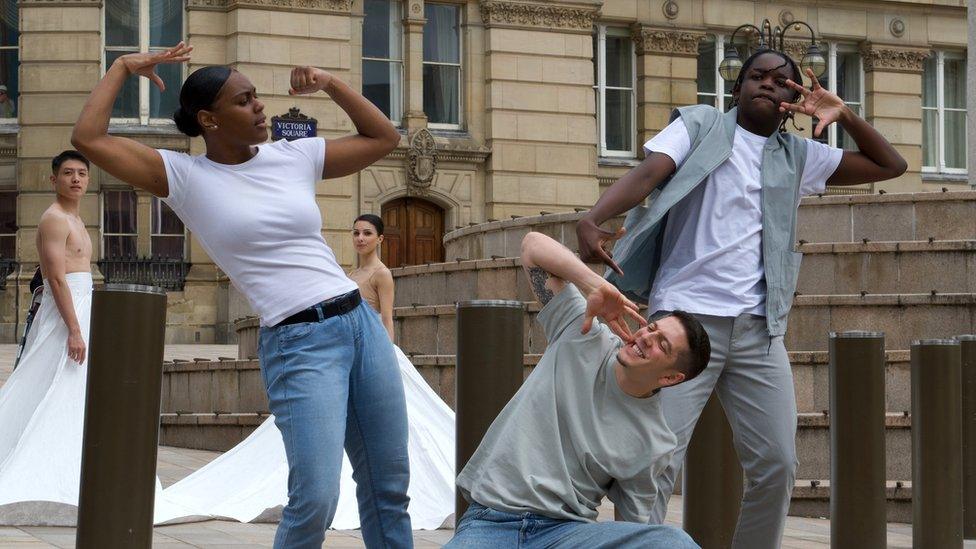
(187, 123)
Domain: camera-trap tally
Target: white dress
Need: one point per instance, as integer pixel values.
(42, 407)
(250, 481)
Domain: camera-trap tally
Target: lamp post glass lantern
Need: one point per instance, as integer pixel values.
(772, 38)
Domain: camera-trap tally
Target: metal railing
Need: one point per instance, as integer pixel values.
(151, 271)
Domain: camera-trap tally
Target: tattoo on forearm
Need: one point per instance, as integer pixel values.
(538, 277)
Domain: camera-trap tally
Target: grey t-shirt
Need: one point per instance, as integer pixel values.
(570, 435)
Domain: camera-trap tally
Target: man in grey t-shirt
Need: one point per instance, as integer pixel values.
(583, 424)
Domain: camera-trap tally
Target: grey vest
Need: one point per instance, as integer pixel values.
(639, 252)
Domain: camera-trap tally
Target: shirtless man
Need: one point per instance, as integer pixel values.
(63, 243)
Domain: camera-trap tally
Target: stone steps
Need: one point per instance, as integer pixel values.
(828, 269)
(236, 386)
(849, 218)
(430, 329)
(811, 498)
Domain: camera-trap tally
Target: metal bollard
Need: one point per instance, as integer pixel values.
(712, 482)
(489, 371)
(857, 440)
(936, 451)
(118, 465)
(968, 348)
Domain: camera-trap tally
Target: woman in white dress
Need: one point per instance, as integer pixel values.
(249, 482)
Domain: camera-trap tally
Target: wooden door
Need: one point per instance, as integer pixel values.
(414, 232)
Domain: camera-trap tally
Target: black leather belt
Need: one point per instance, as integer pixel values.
(336, 306)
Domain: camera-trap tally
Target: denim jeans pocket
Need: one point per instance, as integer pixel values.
(292, 332)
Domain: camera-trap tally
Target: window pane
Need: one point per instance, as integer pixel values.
(955, 83)
(8, 24)
(619, 131)
(849, 76)
(127, 103)
(955, 139)
(122, 23)
(8, 213)
(8, 247)
(382, 29)
(163, 104)
(119, 246)
(165, 220)
(441, 94)
(120, 212)
(381, 85)
(8, 78)
(619, 62)
(706, 99)
(168, 247)
(706, 67)
(165, 23)
(930, 142)
(442, 34)
(930, 68)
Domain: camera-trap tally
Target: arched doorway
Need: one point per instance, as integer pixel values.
(414, 230)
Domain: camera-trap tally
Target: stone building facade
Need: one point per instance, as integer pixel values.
(506, 107)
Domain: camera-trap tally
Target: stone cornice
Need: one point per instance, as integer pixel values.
(538, 16)
(667, 42)
(59, 3)
(889, 59)
(308, 6)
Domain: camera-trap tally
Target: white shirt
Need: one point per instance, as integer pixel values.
(260, 223)
(713, 238)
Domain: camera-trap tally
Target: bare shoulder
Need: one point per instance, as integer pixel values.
(54, 219)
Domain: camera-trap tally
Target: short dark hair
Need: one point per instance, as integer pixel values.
(373, 220)
(787, 60)
(699, 348)
(64, 157)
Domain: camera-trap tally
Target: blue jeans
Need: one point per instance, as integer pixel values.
(334, 384)
(485, 528)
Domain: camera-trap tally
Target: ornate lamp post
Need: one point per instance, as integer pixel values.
(770, 37)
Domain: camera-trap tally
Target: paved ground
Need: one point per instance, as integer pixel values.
(176, 463)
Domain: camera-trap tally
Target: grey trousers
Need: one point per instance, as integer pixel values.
(751, 374)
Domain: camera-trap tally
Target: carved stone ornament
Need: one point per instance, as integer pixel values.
(314, 6)
(421, 162)
(665, 41)
(670, 9)
(892, 60)
(897, 27)
(519, 14)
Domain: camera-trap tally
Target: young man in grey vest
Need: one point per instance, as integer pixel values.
(586, 424)
(717, 239)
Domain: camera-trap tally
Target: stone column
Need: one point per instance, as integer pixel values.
(540, 106)
(971, 93)
(667, 72)
(413, 67)
(893, 105)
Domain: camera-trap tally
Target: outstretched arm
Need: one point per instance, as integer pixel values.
(623, 195)
(52, 238)
(126, 159)
(375, 136)
(549, 266)
(875, 159)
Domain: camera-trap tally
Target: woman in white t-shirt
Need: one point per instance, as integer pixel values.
(329, 368)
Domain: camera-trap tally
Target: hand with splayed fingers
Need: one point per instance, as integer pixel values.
(144, 63)
(818, 102)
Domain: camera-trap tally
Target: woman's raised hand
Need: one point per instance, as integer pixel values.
(144, 64)
(305, 80)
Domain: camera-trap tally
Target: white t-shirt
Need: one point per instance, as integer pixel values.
(713, 239)
(260, 223)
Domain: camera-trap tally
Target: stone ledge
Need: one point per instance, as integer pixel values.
(885, 300)
(210, 365)
(820, 420)
(887, 246)
(207, 418)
